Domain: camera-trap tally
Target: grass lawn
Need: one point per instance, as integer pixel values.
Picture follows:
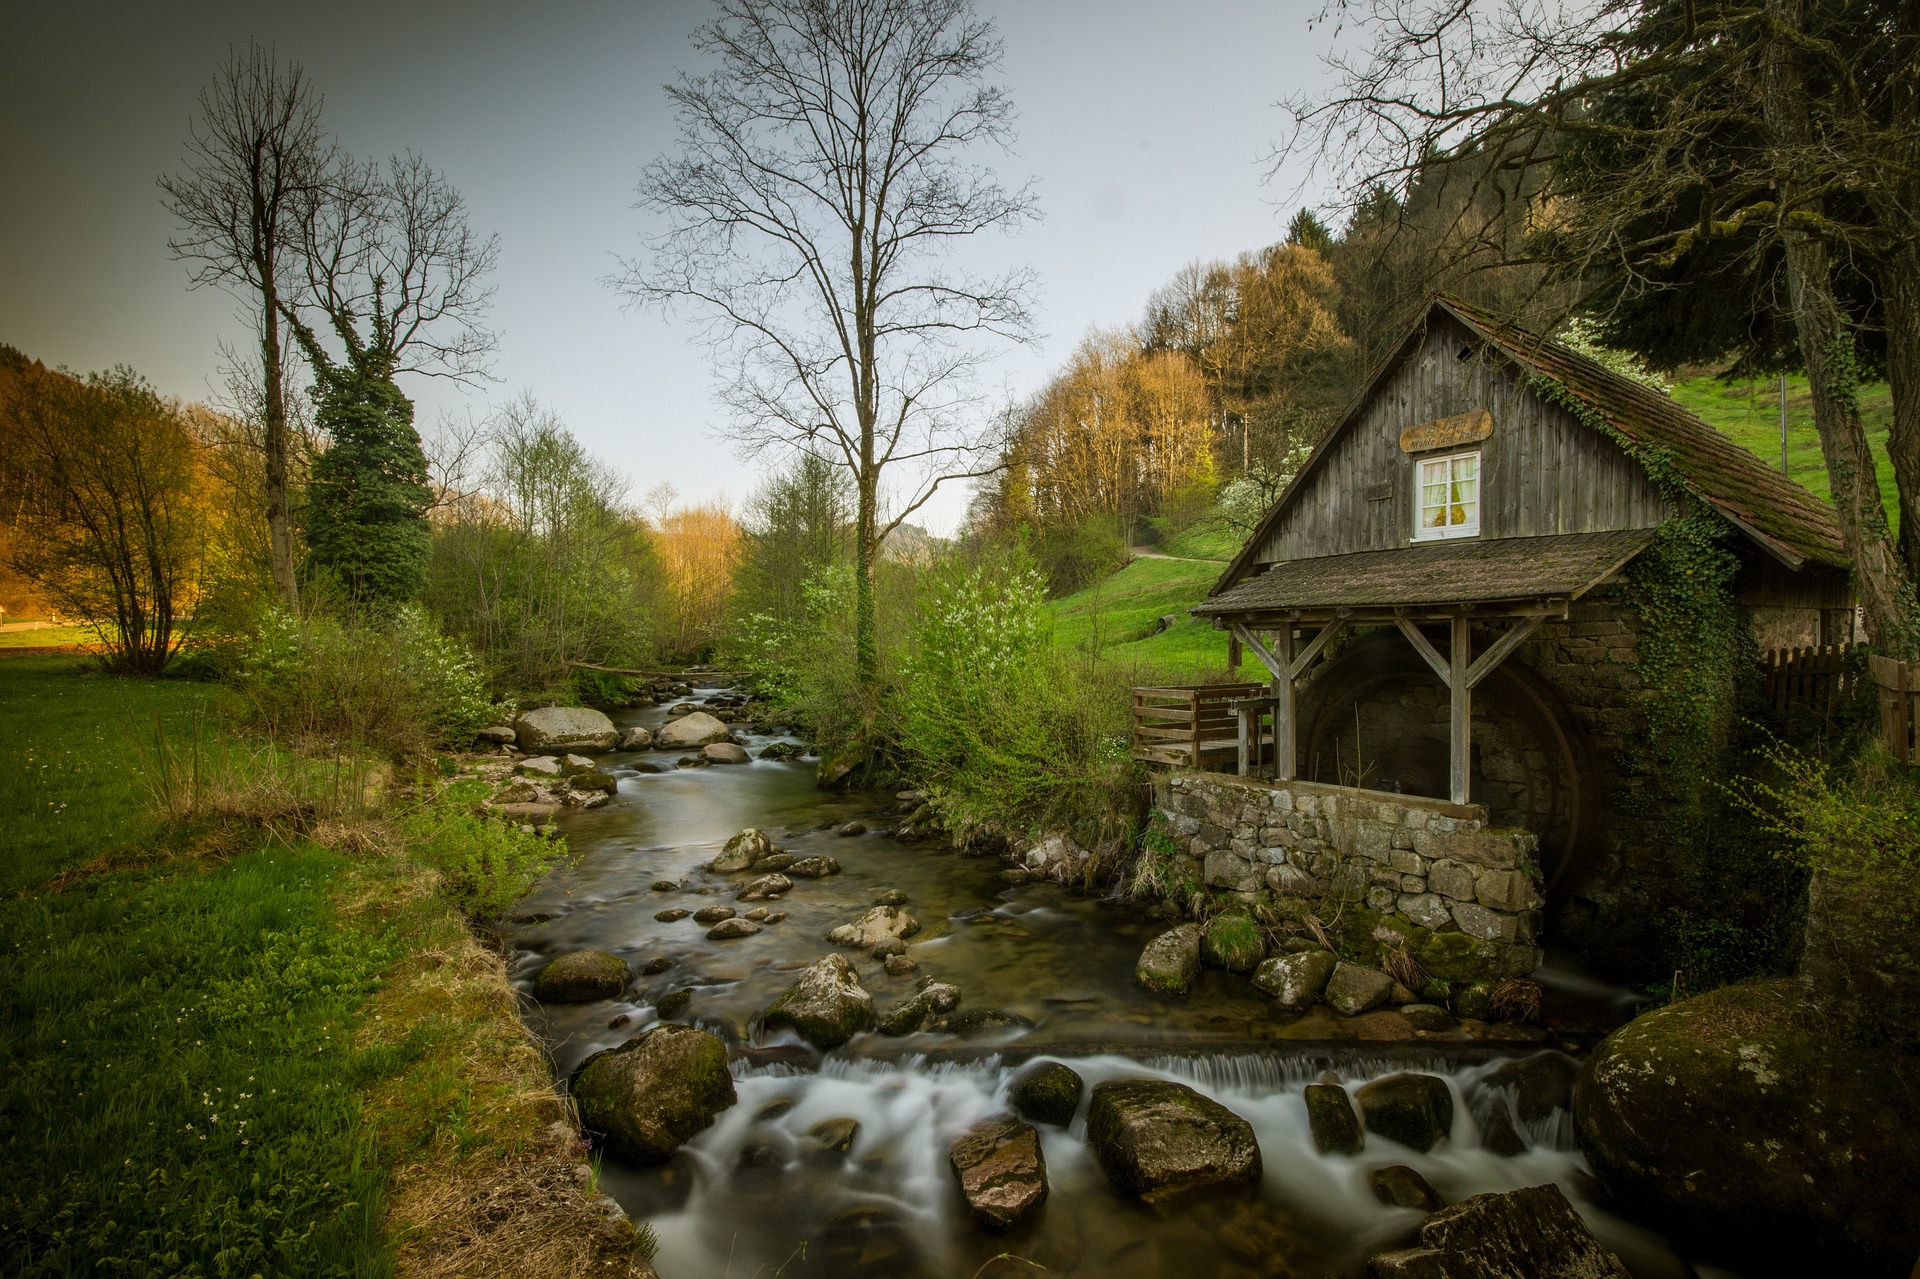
(230, 1050)
(1749, 414)
(48, 637)
(1116, 616)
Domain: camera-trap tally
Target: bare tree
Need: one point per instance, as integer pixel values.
(825, 170)
(1639, 140)
(254, 156)
(394, 270)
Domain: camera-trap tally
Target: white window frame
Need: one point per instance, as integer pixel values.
(1469, 528)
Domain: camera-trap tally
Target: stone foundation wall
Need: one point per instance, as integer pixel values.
(1375, 869)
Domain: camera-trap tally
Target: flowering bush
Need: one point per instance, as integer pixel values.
(1001, 727)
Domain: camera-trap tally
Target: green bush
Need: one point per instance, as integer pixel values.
(398, 685)
(1854, 831)
(485, 865)
(998, 725)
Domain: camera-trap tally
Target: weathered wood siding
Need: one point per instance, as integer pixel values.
(1542, 472)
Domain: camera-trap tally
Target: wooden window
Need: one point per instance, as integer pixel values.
(1448, 497)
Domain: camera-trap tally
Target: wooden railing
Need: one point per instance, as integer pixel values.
(1195, 727)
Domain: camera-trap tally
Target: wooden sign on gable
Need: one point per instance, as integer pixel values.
(1442, 433)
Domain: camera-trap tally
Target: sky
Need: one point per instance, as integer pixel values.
(1144, 127)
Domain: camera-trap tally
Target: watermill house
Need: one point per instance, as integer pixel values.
(1450, 735)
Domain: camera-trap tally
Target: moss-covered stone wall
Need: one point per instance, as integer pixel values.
(1365, 868)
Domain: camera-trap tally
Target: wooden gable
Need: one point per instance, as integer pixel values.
(1542, 472)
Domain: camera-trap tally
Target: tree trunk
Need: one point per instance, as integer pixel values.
(274, 411)
(1896, 204)
(1900, 295)
(1826, 347)
(866, 646)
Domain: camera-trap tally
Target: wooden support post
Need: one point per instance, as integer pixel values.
(1461, 764)
(1284, 726)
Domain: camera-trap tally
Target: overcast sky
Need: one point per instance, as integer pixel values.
(1143, 124)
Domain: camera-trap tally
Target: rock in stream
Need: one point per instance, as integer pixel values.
(1158, 1139)
(654, 1092)
(826, 1006)
(581, 975)
(1002, 1172)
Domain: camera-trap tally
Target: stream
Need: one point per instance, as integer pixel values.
(757, 1195)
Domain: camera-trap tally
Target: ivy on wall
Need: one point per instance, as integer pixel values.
(1734, 908)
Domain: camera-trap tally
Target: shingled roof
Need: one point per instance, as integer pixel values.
(1563, 566)
(1763, 503)
(1776, 513)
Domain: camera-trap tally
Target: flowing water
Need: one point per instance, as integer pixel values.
(755, 1195)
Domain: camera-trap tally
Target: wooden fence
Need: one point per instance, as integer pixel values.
(1817, 677)
(1898, 684)
(1193, 727)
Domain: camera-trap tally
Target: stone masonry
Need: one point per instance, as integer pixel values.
(1378, 869)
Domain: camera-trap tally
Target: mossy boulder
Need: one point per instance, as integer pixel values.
(1740, 1119)
(826, 1006)
(1330, 1118)
(1412, 1109)
(742, 851)
(1232, 941)
(1158, 1139)
(1171, 961)
(1296, 981)
(1457, 957)
(1047, 1092)
(1354, 989)
(580, 976)
(647, 1097)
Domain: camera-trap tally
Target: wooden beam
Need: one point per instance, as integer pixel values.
(1502, 649)
(1461, 764)
(1312, 650)
(1267, 659)
(1421, 646)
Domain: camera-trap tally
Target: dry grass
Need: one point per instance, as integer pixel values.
(1516, 999)
(1400, 965)
(193, 775)
(489, 1174)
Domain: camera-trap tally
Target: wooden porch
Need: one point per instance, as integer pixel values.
(1201, 726)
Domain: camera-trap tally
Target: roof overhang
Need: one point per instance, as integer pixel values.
(1518, 576)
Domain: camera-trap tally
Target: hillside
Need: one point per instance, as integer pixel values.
(1116, 616)
(1748, 413)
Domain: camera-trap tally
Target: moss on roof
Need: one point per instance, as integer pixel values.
(1720, 472)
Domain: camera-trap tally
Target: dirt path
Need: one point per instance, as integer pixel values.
(1142, 553)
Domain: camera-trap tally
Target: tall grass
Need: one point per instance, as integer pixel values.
(190, 1044)
(191, 774)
